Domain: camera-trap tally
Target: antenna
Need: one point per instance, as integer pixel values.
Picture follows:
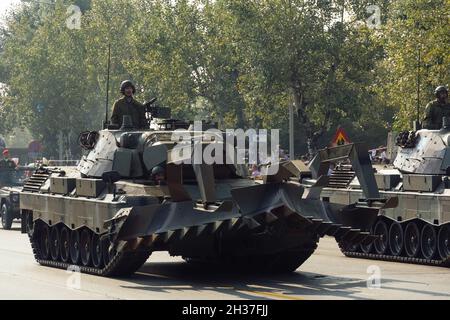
(107, 84)
(419, 58)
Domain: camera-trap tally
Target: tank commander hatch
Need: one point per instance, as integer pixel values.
(437, 109)
(128, 106)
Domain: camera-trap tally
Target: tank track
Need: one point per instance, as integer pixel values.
(132, 256)
(358, 252)
(122, 263)
(373, 256)
(284, 262)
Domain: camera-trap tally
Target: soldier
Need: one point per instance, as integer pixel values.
(6, 159)
(128, 106)
(8, 167)
(437, 109)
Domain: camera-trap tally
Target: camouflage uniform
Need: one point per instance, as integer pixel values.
(129, 107)
(434, 113)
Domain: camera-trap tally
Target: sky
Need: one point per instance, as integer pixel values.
(5, 4)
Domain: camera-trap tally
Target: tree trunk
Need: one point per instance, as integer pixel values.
(238, 101)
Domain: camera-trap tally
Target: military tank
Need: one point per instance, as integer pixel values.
(418, 229)
(131, 196)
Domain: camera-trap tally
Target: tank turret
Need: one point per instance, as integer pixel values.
(424, 151)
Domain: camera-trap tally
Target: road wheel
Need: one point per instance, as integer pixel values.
(412, 240)
(107, 253)
(74, 246)
(444, 242)
(85, 247)
(55, 243)
(65, 244)
(44, 241)
(396, 239)
(7, 218)
(367, 248)
(367, 245)
(96, 251)
(349, 246)
(381, 244)
(428, 241)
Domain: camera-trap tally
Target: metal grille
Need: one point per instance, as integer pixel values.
(341, 176)
(35, 182)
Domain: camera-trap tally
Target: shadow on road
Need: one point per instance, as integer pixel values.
(164, 277)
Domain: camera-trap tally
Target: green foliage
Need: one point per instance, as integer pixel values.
(239, 62)
(419, 26)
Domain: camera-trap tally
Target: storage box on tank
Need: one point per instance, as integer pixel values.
(90, 188)
(62, 185)
(424, 183)
(387, 181)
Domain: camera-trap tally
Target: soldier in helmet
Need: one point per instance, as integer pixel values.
(437, 109)
(128, 106)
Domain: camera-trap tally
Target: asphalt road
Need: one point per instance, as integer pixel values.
(326, 275)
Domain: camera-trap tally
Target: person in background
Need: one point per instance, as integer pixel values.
(6, 162)
(384, 158)
(331, 169)
(373, 155)
(255, 172)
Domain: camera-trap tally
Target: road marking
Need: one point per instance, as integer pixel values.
(273, 295)
(153, 275)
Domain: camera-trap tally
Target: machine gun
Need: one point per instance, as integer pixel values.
(153, 111)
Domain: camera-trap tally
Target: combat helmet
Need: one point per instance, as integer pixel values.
(125, 84)
(440, 89)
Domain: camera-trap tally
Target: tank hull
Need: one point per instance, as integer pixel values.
(416, 231)
(274, 233)
(109, 222)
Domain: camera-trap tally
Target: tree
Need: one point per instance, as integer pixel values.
(414, 29)
(304, 53)
(242, 63)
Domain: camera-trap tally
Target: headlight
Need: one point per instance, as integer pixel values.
(15, 198)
